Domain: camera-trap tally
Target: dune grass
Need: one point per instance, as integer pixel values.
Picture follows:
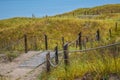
(54, 28)
(94, 65)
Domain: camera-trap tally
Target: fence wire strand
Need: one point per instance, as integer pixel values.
(55, 65)
(100, 47)
(73, 41)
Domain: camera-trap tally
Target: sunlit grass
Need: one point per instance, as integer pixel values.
(54, 28)
(97, 65)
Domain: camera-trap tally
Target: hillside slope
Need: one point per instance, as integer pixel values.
(109, 9)
(57, 27)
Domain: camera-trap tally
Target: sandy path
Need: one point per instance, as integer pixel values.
(12, 69)
(33, 75)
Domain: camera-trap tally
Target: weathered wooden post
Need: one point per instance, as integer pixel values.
(87, 39)
(47, 62)
(65, 48)
(98, 35)
(80, 40)
(116, 25)
(46, 42)
(110, 33)
(56, 55)
(63, 41)
(25, 43)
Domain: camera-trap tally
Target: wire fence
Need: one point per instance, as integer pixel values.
(44, 42)
(96, 46)
(82, 44)
(70, 56)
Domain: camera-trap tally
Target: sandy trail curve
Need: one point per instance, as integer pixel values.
(12, 71)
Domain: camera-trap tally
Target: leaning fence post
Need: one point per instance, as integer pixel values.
(116, 25)
(110, 33)
(25, 43)
(56, 55)
(79, 40)
(66, 61)
(98, 35)
(47, 62)
(87, 39)
(46, 42)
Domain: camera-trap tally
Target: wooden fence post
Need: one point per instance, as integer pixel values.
(87, 39)
(25, 43)
(63, 41)
(56, 55)
(80, 40)
(47, 62)
(110, 33)
(98, 35)
(116, 25)
(65, 48)
(46, 42)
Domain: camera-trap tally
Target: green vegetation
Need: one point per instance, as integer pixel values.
(100, 12)
(68, 25)
(55, 28)
(2, 78)
(93, 65)
(11, 55)
(64, 26)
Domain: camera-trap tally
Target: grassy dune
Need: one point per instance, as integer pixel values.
(53, 27)
(91, 65)
(69, 25)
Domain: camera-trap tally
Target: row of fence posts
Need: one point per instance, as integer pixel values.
(65, 46)
(78, 42)
(66, 57)
(45, 39)
(65, 49)
(48, 58)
